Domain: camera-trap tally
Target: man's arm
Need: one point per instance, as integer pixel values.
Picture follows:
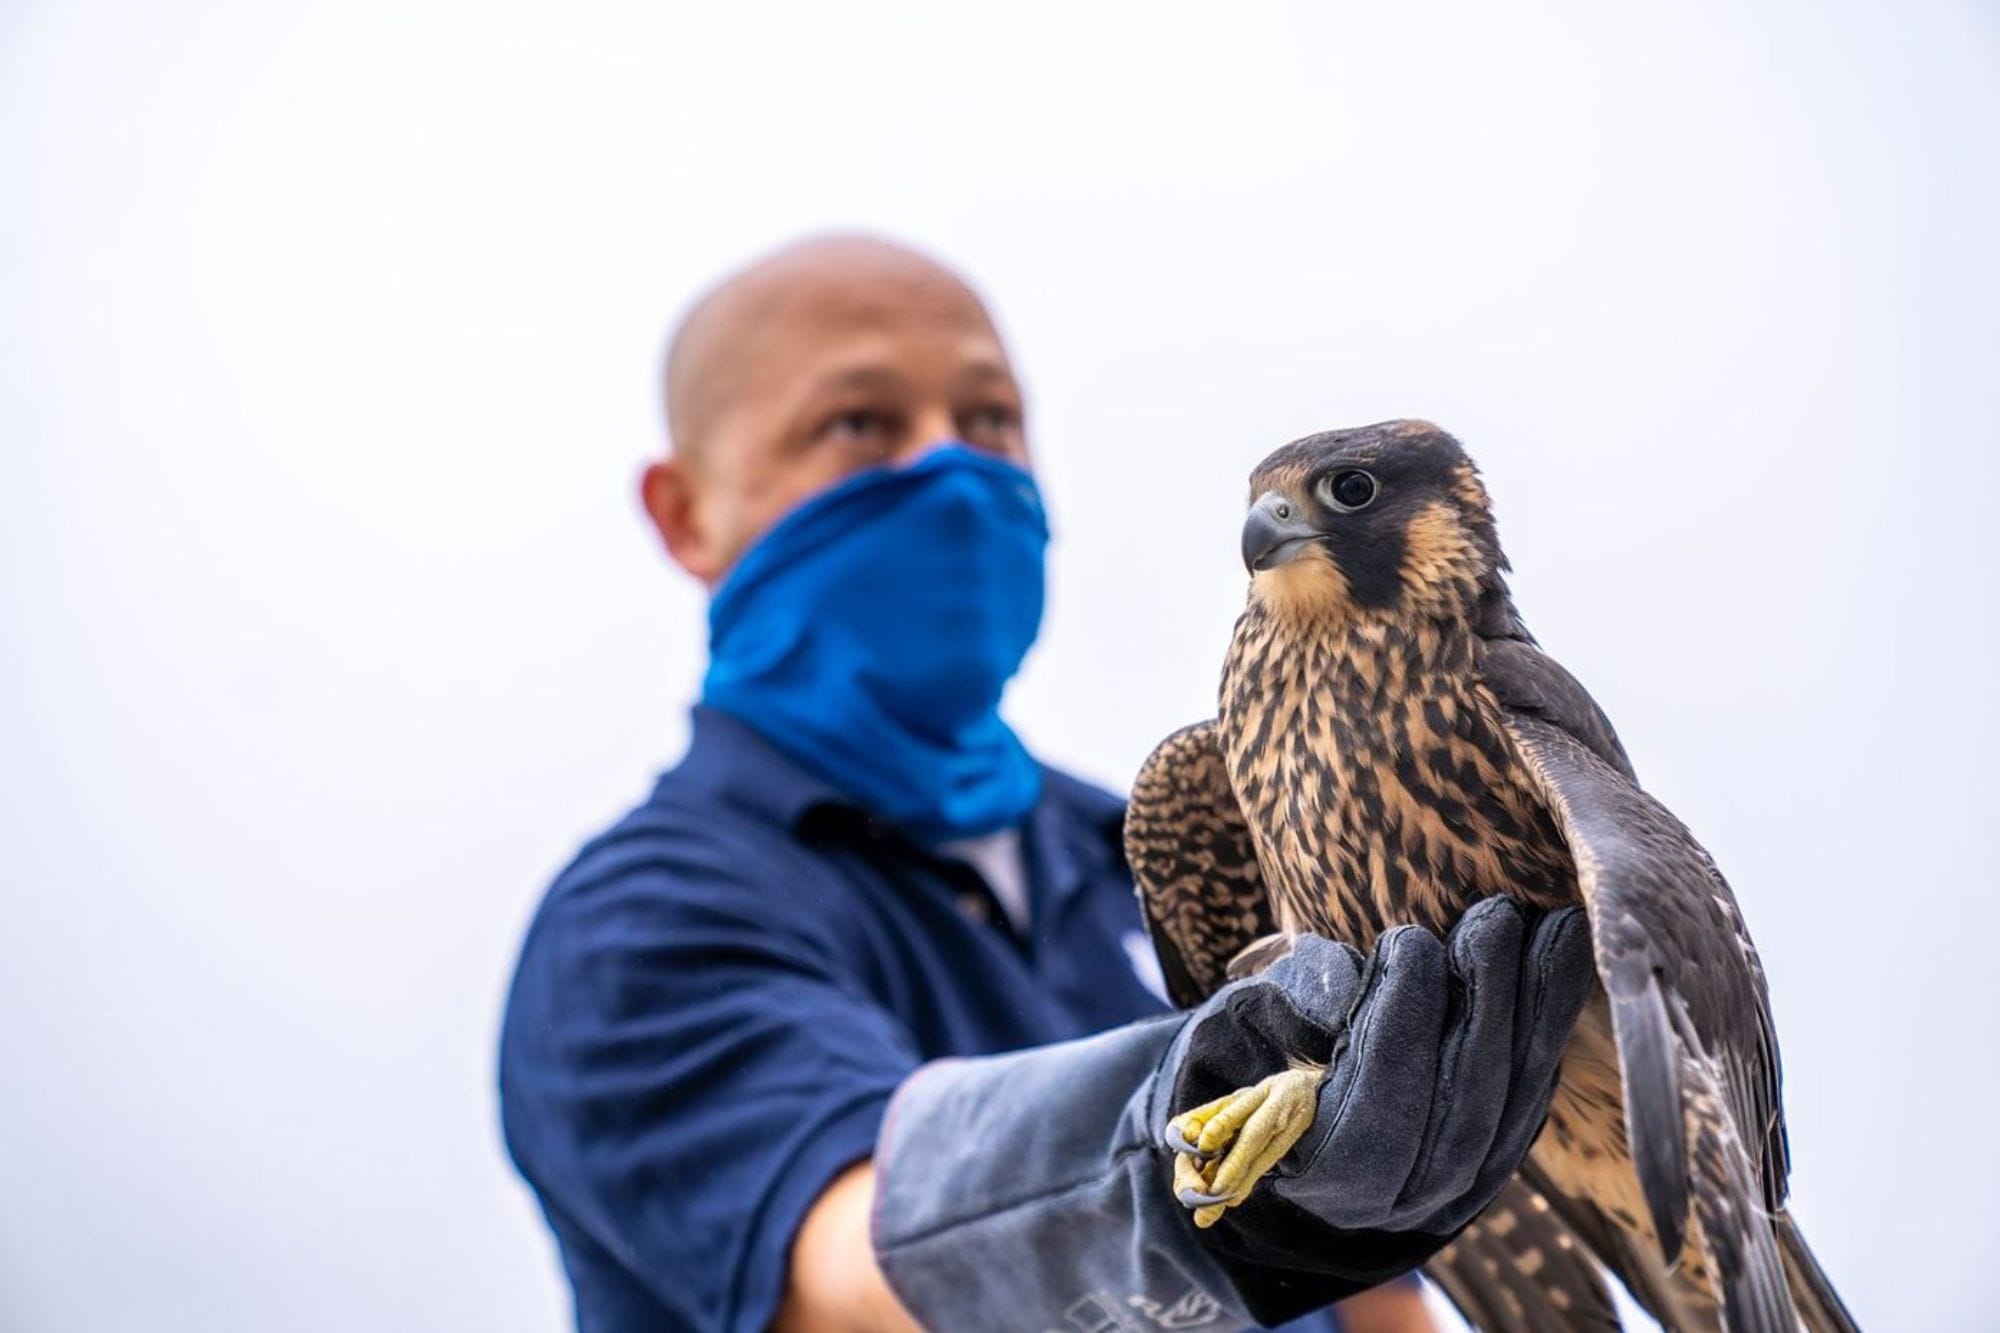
(1394, 1307)
(682, 1075)
(835, 1285)
(672, 1052)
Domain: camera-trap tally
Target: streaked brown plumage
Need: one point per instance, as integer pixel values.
(1391, 746)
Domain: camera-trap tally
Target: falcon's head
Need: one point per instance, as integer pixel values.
(1389, 520)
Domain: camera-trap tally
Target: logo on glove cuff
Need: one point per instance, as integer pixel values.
(1101, 1312)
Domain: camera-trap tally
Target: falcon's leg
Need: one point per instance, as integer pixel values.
(1226, 1146)
(1259, 954)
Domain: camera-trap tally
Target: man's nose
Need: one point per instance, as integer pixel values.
(928, 431)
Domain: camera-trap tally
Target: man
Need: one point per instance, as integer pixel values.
(724, 1064)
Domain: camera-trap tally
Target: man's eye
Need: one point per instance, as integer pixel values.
(992, 420)
(856, 425)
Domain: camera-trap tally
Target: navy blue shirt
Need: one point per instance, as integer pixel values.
(718, 997)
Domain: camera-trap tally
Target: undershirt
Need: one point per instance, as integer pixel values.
(999, 860)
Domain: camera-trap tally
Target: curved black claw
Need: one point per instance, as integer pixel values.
(1194, 1198)
(1178, 1142)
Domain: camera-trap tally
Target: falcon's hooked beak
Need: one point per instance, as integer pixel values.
(1276, 532)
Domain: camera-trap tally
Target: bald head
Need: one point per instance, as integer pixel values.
(743, 338)
(830, 355)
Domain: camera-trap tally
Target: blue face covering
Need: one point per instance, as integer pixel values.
(870, 633)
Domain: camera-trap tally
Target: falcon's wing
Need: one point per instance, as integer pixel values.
(1192, 860)
(1527, 680)
(1688, 1001)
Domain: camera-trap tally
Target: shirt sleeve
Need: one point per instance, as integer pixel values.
(684, 1071)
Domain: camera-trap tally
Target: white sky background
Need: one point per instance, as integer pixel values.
(330, 626)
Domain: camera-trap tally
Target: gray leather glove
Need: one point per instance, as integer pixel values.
(1440, 1061)
(1029, 1189)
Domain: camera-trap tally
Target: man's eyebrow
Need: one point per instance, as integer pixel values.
(854, 377)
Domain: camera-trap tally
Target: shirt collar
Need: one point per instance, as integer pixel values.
(728, 759)
(735, 763)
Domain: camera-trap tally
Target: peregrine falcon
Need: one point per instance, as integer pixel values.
(1391, 746)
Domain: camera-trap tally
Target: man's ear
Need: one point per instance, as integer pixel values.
(667, 492)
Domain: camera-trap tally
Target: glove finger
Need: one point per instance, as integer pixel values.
(1556, 979)
(1321, 977)
(1239, 1037)
(1476, 1064)
(1258, 1026)
(1378, 1094)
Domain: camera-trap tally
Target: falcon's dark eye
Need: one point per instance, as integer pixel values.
(1352, 489)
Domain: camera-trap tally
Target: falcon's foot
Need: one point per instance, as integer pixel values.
(1223, 1149)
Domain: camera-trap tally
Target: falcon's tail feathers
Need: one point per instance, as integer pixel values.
(1519, 1269)
(1736, 1232)
(1820, 1307)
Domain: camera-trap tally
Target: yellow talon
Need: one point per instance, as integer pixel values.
(1238, 1138)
